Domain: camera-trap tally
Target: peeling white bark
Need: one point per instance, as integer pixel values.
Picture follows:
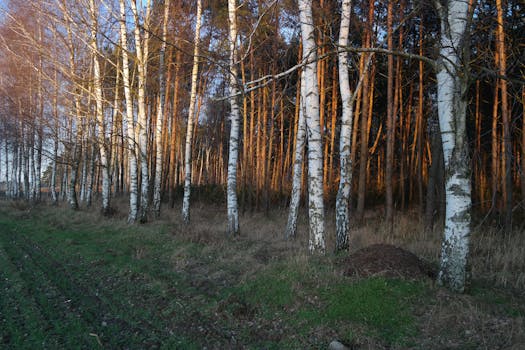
(191, 112)
(142, 49)
(129, 125)
(342, 215)
(315, 154)
(291, 225)
(452, 87)
(97, 86)
(232, 202)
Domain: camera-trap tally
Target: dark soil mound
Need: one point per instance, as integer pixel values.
(388, 261)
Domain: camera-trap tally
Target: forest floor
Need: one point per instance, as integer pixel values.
(76, 280)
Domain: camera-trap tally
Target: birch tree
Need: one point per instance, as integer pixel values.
(160, 115)
(315, 153)
(191, 112)
(142, 55)
(232, 202)
(342, 215)
(97, 84)
(77, 142)
(452, 105)
(130, 122)
(291, 225)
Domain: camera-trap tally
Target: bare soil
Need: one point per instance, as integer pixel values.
(387, 261)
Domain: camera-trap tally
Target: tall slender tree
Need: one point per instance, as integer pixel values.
(315, 153)
(159, 157)
(342, 214)
(232, 202)
(97, 82)
(142, 57)
(452, 75)
(130, 121)
(191, 112)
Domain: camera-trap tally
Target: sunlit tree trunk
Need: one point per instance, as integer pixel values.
(390, 128)
(130, 123)
(97, 83)
(160, 115)
(75, 142)
(174, 131)
(365, 118)
(315, 154)
(191, 112)
(291, 226)
(142, 53)
(91, 171)
(342, 204)
(233, 207)
(505, 119)
(452, 86)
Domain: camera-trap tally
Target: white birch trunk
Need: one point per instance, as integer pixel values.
(189, 129)
(129, 126)
(142, 49)
(77, 153)
(6, 163)
(83, 180)
(452, 88)
(160, 115)
(342, 214)
(291, 225)
(68, 186)
(97, 84)
(89, 191)
(232, 203)
(315, 153)
(53, 184)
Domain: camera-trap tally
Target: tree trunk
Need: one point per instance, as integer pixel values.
(522, 147)
(452, 86)
(342, 204)
(505, 119)
(191, 112)
(315, 154)
(233, 207)
(291, 225)
(434, 180)
(390, 128)
(130, 123)
(142, 50)
(365, 119)
(104, 157)
(160, 115)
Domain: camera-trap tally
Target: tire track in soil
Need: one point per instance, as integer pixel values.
(51, 306)
(56, 291)
(21, 320)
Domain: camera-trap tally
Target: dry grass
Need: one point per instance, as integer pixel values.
(488, 317)
(495, 257)
(499, 257)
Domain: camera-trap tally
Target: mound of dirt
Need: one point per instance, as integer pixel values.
(388, 261)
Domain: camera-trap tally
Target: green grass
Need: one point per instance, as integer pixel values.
(120, 279)
(78, 281)
(382, 304)
(306, 300)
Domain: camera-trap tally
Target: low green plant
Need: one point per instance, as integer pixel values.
(382, 304)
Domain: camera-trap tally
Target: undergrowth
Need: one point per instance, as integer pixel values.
(76, 280)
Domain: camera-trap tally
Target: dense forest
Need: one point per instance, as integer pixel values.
(342, 105)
